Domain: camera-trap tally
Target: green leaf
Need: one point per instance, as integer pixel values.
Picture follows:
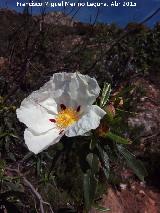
(105, 161)
(116, 138)
(4, 134)
(27, 156)
(105, 94)
(100, 208)
(92, 144)
(86, 189)
(93, 161)
(13, 135)
(11, 156)
(89, 188)
(38, 165)
(124, 91)
(136, 165)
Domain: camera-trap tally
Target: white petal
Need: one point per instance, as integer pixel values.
(34, 116)
(58, 88)
(38, 143)
(43, 98)
(72, 89)
(83, 89)
(90, 120)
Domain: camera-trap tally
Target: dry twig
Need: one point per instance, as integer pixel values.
(33, 190)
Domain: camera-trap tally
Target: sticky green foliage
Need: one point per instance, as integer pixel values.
(117, 138)
(89, 187)
(104, 161)
(101, 208)
(133, 163)
(105, 94)
(93, 162)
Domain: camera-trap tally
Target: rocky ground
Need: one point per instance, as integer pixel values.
(135, 198)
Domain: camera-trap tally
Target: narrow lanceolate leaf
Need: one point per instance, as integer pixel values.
(105, 94)
(136, 165)
(86, 189)
(118, 139)
(92, 160)
(105, 161)
(101, 208)
(27, 156)
(4, 134)
(13, 135)
(89, 188)
(92, 144)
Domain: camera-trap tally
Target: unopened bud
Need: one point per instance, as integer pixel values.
(110, 109)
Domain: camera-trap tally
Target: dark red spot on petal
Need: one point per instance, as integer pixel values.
(52, 120)
(61, 132)
(63, 107)
(78, 108)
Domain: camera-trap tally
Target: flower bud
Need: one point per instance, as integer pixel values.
(110, 109)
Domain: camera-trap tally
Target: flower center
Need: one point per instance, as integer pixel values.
(66, 118)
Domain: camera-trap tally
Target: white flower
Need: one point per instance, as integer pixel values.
(62, 106)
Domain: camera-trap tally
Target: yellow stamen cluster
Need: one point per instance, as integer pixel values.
(66, 118)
